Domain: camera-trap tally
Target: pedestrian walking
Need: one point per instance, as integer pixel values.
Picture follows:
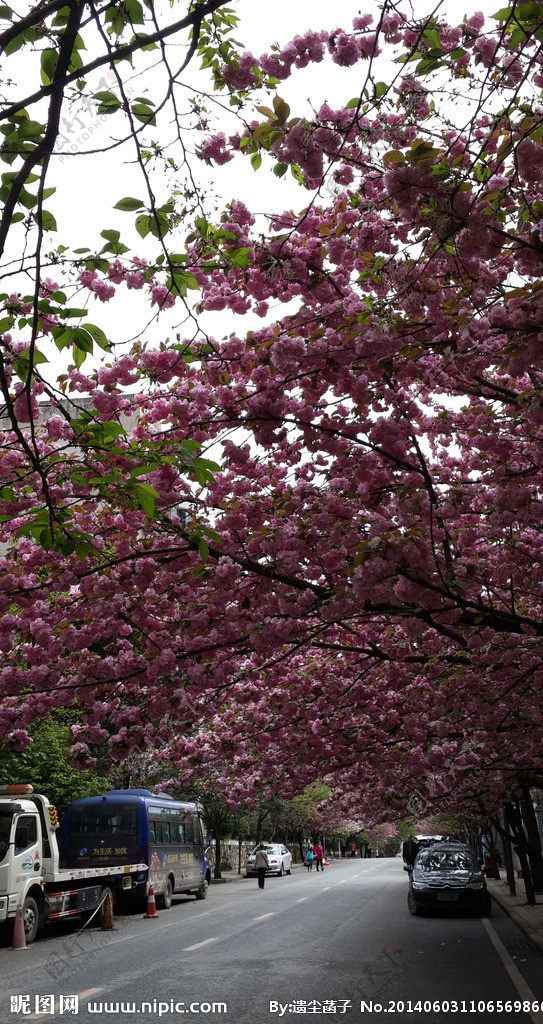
(262, 864)
(309, 858)
(319, 855)
(409, 851)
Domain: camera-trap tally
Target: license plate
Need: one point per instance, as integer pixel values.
(448, 897)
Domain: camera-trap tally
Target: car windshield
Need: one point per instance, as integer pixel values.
(270, 848)
(446, 860)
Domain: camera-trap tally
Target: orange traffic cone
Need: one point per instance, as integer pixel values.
(106, 918)
(19, 937)
(151, 905)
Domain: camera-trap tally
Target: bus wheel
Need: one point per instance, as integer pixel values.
(31, 919)
(201, 893)
(164, 900)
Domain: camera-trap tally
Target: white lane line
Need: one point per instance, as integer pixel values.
(343, 881)
(264, 916)
(520, 984)
(80, 996)
(326, 888)
(198, 945)
(302, 900)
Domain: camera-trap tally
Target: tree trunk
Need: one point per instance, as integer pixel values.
(533, 839)
(493, 860)
(505, 831)
(521, 845)
(259, 823)
(218, 853)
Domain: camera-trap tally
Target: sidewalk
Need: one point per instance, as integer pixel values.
(529, 919)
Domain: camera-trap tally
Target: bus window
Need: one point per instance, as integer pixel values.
(166, 839)
(158, 833)
(100, 821)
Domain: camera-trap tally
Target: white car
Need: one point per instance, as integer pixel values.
(279, 857)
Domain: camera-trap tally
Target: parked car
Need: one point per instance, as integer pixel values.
(279, 857)
(448, 876)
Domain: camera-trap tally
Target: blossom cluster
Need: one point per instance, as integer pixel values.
(355, 592)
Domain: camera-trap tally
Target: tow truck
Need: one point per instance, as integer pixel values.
(30, 876)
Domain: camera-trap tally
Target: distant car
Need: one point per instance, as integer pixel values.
(447, 876)
(279, 857)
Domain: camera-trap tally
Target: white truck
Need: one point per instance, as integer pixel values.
(30, 876)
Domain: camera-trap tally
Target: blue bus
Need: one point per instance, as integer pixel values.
(135, 826)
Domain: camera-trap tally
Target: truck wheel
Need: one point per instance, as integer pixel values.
(106, 891)
(31, 919)
(164, 900)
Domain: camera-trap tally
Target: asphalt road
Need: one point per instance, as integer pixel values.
(339, 946)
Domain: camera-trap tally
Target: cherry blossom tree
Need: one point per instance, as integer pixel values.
(351, 589)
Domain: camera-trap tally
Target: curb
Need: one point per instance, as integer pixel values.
(515, 914)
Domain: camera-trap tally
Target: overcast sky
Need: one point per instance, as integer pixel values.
(89, 186)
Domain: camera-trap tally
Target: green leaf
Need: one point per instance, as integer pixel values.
(82, 339)
(143, 224)
(146, 495)
(14, 45)
(128, 204)
(393, 157)
(108, 102)
(143, 113)
(282, 109)
(27, 199)
(110, 235)
(112, 428)
(432, 37)
(79, 357)
(241, 257)
(256, 161)
(62, 337)
(181, 280)
(48, 222)
(134, 11)
(49, 59)
(98, 335)
(115, 245)
(107, 98)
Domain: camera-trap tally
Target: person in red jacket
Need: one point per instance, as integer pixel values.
(319, 854)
